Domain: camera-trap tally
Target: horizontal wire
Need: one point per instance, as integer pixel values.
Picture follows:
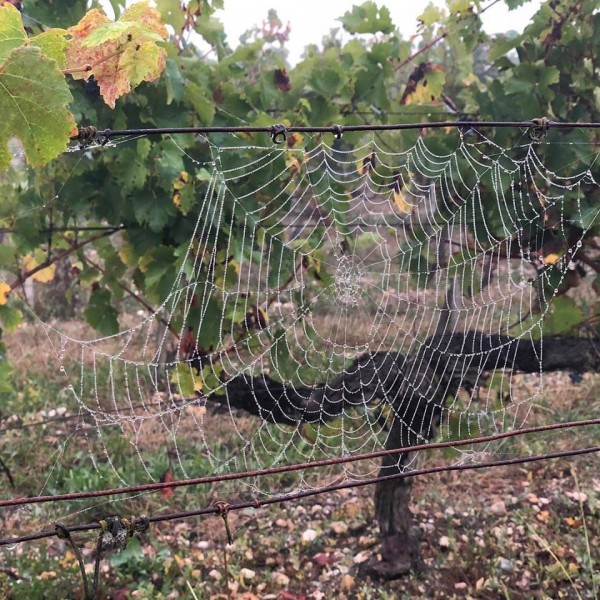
(307, 493)
(73, 229)
(338, 130)
(153, 487)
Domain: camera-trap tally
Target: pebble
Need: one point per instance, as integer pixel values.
(361, 557)
(309, 535)
(281, 579)
(506, 565)
(498, 508)
(247, 573)
(339, 527)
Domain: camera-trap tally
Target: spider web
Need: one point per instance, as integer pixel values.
(334, 300)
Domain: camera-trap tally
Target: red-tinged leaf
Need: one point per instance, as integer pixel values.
(322, 559)
(291, 596)
(119, 55)
(167, 477)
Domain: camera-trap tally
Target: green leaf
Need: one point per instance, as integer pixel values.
(33, 101)
(12, 34)
(174, 81)
(587, 216)
(10, 317)
(281, 264)
(185, 378)
(282, 361)
(431, 15)
(100, 314)
(5, 378)
(130, 166)
(209, 323)
(326, 81)
(367, 18)
(53, 44)
(159, 273)
(131, 552)
(203, 105)
(563, 317)
(172, 13)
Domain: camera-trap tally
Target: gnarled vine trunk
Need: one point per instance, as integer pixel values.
(415, 388)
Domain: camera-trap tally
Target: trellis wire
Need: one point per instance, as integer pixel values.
(151, 487)
(538, 125)
(307, 493)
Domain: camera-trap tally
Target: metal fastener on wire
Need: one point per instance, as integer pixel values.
(539, 129)
(278, 133)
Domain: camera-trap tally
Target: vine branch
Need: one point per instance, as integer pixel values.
(21, 279)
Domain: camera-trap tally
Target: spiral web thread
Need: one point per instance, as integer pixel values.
(317, 294)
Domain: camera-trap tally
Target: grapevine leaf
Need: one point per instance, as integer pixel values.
(10, 317)
(53, 44)
(172, 12)
(367, 18)
(431, 15)
(100, 314)
(33, 101)
(119, 55)
(5, 378)
(43, 275)
(4, 292)
(12, 34)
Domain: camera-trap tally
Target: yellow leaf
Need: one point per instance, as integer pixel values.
(551, 259)
(401, 204)
(43, 275)
(4, 292)
(127, 255)
(292, 163)
(294, 139)
(573, 523)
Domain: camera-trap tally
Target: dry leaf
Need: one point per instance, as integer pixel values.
(167, 477)
(543, 516)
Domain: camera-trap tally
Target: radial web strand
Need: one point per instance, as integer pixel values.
(332, 300)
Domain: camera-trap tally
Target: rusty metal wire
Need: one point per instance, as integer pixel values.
(217, 510)
(154, 487)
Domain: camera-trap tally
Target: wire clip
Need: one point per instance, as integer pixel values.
(338, 132)
(86, 135)
(278, 134)
(539, 129)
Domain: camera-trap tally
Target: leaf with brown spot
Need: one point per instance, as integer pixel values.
(425, 84)
(119, 55)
